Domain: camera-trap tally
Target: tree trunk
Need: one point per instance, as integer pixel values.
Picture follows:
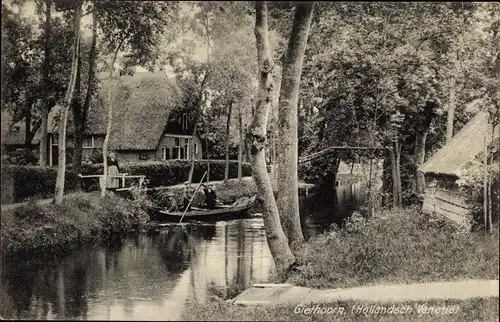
(420, 139)
(61, 168)
(490, 184)
(27, 126)
(485, 186)
(80, 113)
(30, 131)
(394, 175)
(274, 164)
(451, 110)
(256, 137)
(398, 172)
(208, 159)
(110, 122)
(46, 81)
(288, 198)
(191, 169)
(240, 143)
(228, 124)
(77, 124)
(195, 127)
(277, 79)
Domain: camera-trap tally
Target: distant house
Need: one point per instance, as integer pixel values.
(143, 128)
(14, 134)
(448, 164)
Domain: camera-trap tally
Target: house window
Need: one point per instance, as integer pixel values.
(196, 148)
(88, 142)
(143, 156)
(184, 122)
(165, 152)
(178, 151)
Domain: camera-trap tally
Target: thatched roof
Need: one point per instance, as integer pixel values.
(141, 106)
(464, 147)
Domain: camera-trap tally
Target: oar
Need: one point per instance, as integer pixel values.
(192, 197)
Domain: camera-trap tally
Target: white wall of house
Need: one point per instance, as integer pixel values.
(172, 147)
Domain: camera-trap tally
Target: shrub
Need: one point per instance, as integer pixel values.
(95, 156)
(23, 156)
(401, 247)
(39, 182)
(80, 218)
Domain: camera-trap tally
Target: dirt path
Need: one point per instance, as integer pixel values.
(272, 294)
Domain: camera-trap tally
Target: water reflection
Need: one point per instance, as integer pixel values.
(150, 277)
(319, 212)
(141, 277)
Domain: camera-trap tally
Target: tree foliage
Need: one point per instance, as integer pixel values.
(372, 75)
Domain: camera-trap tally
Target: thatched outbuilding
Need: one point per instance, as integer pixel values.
(453, 161)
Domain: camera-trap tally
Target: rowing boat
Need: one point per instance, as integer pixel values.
(237, 209)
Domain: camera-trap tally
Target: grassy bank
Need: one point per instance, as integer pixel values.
(80, 218)
(402, 247)
(468, 310)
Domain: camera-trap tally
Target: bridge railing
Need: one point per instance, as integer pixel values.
(122, 176)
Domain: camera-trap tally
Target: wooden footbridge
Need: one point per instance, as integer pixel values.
(334, 149)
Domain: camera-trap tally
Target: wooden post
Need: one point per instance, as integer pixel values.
(490, 181)
(370, 210)
(485, 186)
(101, 184)
(192, 197)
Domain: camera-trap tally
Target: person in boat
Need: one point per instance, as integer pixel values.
(210, 197)
(171, 204)
(113, 170)
(186, 196)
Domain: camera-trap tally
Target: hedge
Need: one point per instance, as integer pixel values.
(22, 182)
(172, 172)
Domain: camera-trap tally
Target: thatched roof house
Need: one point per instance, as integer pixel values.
(142, 104)
(448, 164)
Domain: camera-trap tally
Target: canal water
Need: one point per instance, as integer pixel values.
(152, 276)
